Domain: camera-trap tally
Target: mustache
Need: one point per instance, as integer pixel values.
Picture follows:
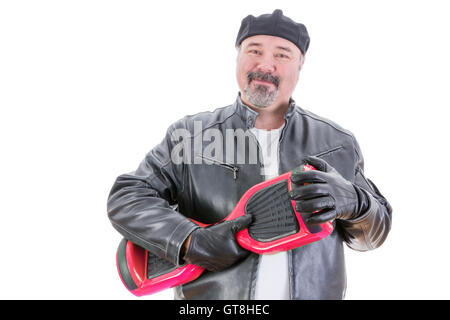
(264, 77)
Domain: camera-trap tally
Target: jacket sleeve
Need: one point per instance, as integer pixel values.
(140, 204)
(370, 229)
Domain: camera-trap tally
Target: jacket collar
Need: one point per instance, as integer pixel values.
(248, 115)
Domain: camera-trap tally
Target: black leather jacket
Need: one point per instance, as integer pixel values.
(142, 204)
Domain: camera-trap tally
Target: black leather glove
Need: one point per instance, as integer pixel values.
(325, 190)
(215, 247)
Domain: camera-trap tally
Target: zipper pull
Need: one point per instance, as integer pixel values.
(235, 170)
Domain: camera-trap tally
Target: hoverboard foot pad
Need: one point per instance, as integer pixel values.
(273, 215)
(157, 266)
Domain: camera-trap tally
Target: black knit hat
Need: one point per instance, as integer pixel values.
(275, 24)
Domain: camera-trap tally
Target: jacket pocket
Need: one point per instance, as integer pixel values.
(222, 164)
(327, 152)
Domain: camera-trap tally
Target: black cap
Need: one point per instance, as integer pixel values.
(275, 24)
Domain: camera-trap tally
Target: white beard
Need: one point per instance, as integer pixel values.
(260, 96)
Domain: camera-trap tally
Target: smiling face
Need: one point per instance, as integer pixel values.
(267, 70)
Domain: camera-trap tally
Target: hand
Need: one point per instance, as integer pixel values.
(215, 248)
(325, 194)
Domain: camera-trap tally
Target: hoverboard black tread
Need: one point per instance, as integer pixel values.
(273, 215)
(157, 266)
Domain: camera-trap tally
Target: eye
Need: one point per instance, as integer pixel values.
(282, 56)
(254, 51)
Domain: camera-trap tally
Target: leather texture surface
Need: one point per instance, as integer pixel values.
(141, 203)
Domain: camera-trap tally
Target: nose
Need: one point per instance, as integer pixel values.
(266, 65)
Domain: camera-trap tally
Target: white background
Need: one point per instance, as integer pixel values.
(87, 88)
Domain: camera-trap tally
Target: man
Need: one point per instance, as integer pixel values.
(191, 169)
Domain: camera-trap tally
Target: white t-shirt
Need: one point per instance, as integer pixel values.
(273, 274)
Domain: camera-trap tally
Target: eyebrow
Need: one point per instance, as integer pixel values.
(254, 44)
(257, 44)
(284, 48)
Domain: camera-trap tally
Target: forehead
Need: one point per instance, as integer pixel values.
(270, 42)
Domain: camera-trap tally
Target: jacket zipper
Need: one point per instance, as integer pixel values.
(289, 252)
(258, 258)
(221, 164)
(279, 142)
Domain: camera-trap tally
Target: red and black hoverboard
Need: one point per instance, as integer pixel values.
(276, 227)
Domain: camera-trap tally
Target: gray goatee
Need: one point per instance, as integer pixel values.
(261, 95)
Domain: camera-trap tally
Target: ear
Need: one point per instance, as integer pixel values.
(302, 61)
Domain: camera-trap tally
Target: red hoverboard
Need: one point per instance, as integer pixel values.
(276, 227)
